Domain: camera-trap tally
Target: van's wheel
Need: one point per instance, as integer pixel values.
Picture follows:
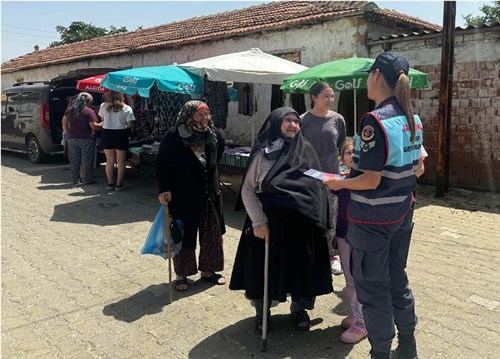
(35, 152)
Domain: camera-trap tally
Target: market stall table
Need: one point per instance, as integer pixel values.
(234, 161)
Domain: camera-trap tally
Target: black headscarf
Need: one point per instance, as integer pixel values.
(286, 181)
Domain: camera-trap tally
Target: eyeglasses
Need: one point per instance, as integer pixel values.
(294, 120)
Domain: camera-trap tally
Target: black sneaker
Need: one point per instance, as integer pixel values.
(399, 354)
(407, 348)
(119, 187)
(111, 187)
(301, 320)
(380, 355)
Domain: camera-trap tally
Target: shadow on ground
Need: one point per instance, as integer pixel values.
(105, 209)
(151, 300)
(283, 341)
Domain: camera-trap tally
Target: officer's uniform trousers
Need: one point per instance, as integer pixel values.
(378, 260)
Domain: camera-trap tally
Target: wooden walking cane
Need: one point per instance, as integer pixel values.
(169, 253)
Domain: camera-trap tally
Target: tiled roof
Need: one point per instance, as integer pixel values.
(432, 32)
(227, 24)
(411, 23)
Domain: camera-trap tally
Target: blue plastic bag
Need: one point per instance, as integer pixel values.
(156, 241)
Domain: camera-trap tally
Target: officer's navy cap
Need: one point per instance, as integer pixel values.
(390, 64)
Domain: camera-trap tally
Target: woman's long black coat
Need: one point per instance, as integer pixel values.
(179, 171)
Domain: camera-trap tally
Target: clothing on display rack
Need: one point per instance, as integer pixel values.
(217, 99)
(298, 102)
(277, 97)
(164, 107)
(245, 98)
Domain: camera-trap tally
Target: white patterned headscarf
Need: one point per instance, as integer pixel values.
(80, 102)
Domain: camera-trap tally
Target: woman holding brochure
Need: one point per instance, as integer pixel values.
(386, 153)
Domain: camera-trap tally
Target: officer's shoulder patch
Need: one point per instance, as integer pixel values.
(367, 133)
(365, 146)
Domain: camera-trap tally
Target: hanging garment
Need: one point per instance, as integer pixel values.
(165, 107)
(245, 98)
(217, 99)
(277, 97)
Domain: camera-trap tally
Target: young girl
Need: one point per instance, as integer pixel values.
(354, 322)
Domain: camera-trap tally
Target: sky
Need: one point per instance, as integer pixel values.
(29, 23)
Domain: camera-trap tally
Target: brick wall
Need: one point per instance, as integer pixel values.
(475, 124)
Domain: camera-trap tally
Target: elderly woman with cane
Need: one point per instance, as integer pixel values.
(289, 211)
(188, 181)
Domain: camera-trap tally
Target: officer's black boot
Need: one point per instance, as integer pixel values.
(407, 347)
(380, 355)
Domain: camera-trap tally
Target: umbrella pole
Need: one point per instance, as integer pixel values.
(355, 112)
(169, 253)
(266, 297)
(253, 129)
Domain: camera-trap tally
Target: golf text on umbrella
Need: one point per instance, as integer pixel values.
(339, 85)
(130, 80)
(186, 87)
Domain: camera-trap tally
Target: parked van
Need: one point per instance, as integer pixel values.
(32, 113)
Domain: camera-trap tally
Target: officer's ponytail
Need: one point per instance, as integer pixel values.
(402, 93)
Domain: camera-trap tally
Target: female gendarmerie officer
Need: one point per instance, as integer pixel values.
(380, 212)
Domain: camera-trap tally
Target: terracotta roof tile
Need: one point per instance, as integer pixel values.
(412, 23)
(230, 23)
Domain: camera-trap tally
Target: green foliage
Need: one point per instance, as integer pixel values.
(491, 15)
(80, 31)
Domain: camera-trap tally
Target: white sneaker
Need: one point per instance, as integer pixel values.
(335, 265)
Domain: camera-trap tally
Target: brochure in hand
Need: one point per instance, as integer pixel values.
(321, 175)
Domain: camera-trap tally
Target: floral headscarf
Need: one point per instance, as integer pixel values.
(80, 102)
(191, 135)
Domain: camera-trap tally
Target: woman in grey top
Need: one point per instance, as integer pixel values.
(325, 130)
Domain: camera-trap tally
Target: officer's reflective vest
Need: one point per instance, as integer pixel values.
(391, 200)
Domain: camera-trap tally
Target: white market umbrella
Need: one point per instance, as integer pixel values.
(251, 66)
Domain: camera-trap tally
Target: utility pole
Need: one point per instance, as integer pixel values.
(445, 98)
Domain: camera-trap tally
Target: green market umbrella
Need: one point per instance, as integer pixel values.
(342, 75)
(346, 74)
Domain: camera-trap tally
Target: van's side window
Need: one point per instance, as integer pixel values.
(27, 101)
(9, 106)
